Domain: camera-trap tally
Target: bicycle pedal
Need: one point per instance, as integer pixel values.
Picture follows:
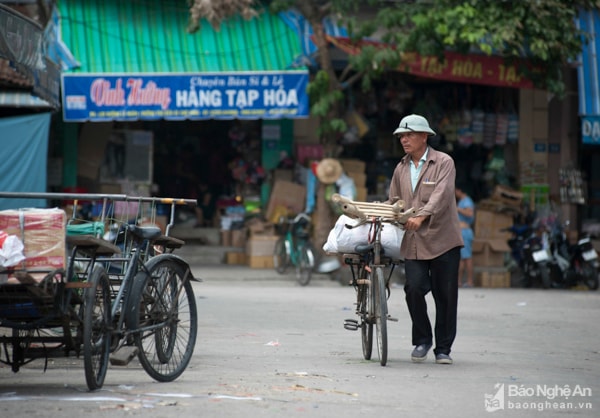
(389, 318)
(351, 324)
(363, 281)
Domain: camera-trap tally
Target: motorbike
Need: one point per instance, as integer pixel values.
(531, 254)
(574, 264)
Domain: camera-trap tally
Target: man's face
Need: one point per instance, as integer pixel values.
(413, 142)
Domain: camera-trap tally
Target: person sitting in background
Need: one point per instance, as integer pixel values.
(466, 216)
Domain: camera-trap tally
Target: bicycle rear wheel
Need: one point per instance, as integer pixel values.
(305, 264)
(281, 255)
(164, 318)
(380, 313)
(366, 325)
(96, 328)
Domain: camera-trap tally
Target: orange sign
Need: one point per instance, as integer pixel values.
(471, 69)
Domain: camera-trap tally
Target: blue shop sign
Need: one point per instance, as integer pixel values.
(239, 95)
(590, 129)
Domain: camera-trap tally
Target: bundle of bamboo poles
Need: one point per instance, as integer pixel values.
(366, 210)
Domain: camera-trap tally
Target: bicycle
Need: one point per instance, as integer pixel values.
(147, 303)
(367, 264)
(153, 311)
(293, 247)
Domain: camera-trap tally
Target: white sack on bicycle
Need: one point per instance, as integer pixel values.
(345, 240)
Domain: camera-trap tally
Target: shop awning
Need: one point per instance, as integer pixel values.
(22, 99)
(588, 77)
(460, 68)
(138, 62)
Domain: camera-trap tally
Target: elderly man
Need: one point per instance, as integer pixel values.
(424, 178)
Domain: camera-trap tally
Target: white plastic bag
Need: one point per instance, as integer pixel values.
(11, 252)
(345, 240)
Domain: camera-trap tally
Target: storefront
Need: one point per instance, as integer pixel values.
(140, 99)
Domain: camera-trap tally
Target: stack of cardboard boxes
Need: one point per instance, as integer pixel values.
(261, 244)
(254, 245)
(490, 246)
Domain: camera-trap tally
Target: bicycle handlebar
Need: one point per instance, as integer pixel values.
(301, 216)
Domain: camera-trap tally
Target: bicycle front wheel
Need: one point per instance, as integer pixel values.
(164, 320)
(281, 255)
(305, 264)
(96, 328)
(366, 325)
(380, 314)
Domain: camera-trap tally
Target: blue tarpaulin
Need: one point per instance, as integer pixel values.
(24, 142)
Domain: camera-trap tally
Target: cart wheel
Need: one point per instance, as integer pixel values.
(96, 328)
(166, 317)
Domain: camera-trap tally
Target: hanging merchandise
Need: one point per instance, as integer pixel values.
(451, 125)
(464, 132)
(477, 118)
(572, 186)
(247, 172)
(501, 128)
(489, 130)
(512, 134)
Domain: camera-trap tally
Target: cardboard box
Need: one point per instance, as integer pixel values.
(237, 258)
(261, 245)
(43, 234)
(489, 252)
(261, 261)
(360, 179)
(492, 277)
(259, 227)
(490, 224)
(226, 237)
(351, 165)
(280, 174)
(239, 237)
(286, 198)
(507, 196)
(361, 194)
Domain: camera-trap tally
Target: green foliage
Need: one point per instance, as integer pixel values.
(542, 31)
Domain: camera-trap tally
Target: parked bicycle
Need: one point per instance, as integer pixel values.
(151, 305)
(132, 292)
(294, 248)
(367, 264)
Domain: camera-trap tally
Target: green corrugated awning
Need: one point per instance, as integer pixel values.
(116, 36)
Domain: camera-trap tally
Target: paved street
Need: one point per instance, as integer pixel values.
(270, 348)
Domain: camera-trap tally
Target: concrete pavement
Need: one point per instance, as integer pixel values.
(268, 347)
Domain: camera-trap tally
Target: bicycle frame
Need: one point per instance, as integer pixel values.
(367, 263)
